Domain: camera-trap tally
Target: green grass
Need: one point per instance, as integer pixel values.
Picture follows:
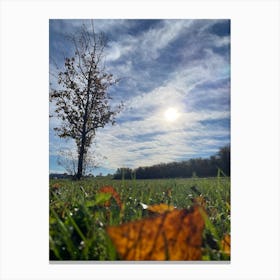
(78, 218)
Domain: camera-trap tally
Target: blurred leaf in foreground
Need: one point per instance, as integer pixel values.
(160, 208)
(225, 243)
(173, 235)
(157, 209)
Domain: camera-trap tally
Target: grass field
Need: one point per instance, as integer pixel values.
(79, 213)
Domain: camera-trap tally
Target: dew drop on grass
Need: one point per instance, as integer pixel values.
(82, 245)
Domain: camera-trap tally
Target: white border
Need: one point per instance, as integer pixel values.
(255, 138)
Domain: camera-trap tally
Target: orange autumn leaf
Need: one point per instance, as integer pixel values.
(160, 208)
(174, 235)
(56, 186)
(200, 200)
(114, 193)
(226, 244)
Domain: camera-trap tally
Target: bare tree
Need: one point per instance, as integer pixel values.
(68, 159)
(82, 101)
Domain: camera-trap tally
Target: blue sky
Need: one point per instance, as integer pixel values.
(179, 64)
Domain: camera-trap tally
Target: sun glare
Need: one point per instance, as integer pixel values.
(171, 114)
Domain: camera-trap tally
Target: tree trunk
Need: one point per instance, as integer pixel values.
(81, 158)
(80, 166)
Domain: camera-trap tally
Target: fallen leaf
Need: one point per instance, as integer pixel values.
(56, 186)
(225, 243)
(160, 208)
(174, 235)
(114, 194)
(200, 200)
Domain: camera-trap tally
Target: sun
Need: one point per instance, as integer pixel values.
(171, 114)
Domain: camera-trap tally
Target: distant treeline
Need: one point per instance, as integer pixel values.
(60, 176)
(200, 167)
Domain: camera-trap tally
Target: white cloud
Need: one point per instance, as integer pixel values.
(148, 44)
(115, 50)
(152, 140)
(155, 40)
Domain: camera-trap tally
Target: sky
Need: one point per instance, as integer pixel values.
(175, 85)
